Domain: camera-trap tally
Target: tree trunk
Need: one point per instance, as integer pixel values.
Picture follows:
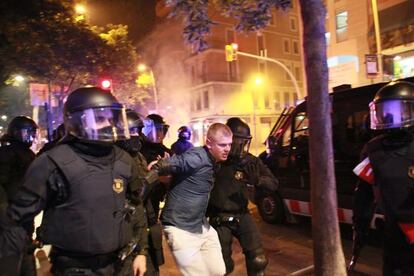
(328, 254)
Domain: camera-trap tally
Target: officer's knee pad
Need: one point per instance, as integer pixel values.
(259, 262)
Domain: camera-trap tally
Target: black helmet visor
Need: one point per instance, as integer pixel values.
(240, 146)
(28, 135)
(391, 114)
(155, 132)
(106, 124)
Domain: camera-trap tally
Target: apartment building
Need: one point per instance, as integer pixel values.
(215, 89)
(350, 36)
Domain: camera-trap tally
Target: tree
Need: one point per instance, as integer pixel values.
(43, 41)
(254, 15)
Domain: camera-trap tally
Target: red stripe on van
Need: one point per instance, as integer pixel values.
(294, 205)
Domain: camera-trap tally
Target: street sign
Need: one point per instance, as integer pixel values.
(371, 65)
(39, 93)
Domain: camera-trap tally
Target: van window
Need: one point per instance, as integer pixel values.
(301, 125)
(356, 127)
(286, 135)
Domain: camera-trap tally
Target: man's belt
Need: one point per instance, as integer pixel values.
(65, 259)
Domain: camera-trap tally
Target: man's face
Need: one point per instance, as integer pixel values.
(219, 146)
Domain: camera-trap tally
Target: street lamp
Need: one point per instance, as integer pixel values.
(4, 117)
(80, 11)
(142, 68)
(258, 85)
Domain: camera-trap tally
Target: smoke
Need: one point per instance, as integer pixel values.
(164, 51)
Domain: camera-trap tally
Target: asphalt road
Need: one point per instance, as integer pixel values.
(289, 249)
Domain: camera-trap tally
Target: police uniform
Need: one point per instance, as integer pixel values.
(89, 191)
(387, 178)
(133, 146)
(151, 152)
(228, 205)
(15, 158)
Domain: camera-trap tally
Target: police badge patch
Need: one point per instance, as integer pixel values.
(118, 185)
(238, 175)
(411, 171)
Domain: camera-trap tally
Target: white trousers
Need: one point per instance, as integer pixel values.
(196, 254)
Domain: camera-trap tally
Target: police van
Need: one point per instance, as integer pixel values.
(287, 155)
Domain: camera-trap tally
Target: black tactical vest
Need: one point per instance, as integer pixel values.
(229, 194)
(392, 166)
(93, 220)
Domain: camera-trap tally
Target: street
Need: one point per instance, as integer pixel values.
(289, 249)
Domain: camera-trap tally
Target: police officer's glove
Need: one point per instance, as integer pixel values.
(161, 168)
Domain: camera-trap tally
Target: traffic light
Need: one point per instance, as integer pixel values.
(106, 84)
(231, 51)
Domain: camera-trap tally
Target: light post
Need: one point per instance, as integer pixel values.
(258, 84)
(143, 68)
(377, 37)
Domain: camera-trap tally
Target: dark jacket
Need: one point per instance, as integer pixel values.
(391, 157)
(181, 146)
(187, 199)
(43, 190)
(230, 194)
(15, 158)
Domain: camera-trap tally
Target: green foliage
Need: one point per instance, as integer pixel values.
(43, 41)
(252, 15)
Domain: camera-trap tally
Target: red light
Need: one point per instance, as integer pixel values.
(106, 84)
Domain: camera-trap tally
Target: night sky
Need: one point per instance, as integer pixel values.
(139, 15)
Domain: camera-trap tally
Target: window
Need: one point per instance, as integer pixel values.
(272, 19)
(204, 71)
(198, 101)
(301, 125)
(206, 99)
(341, 25)
(293, 24)
(276, 101)
(261, 48)
(286, 46)
(287, 77)
(230, 36)
(295, 47)
(193, 74)
(297, 73)
(286, 96)
(266, 100)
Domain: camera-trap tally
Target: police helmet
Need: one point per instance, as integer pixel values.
(94, 114)
(184, 132)
(241, 137)
(393, 106)
(23, 129)
(157, 133)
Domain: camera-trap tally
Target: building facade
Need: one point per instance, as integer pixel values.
(215, 89)
(350, 35)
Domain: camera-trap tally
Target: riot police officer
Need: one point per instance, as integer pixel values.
(228, 210)
(387, 177)
(183, 142)
(154, 149)
(15, 158)
(89, 191)
(133, 146)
